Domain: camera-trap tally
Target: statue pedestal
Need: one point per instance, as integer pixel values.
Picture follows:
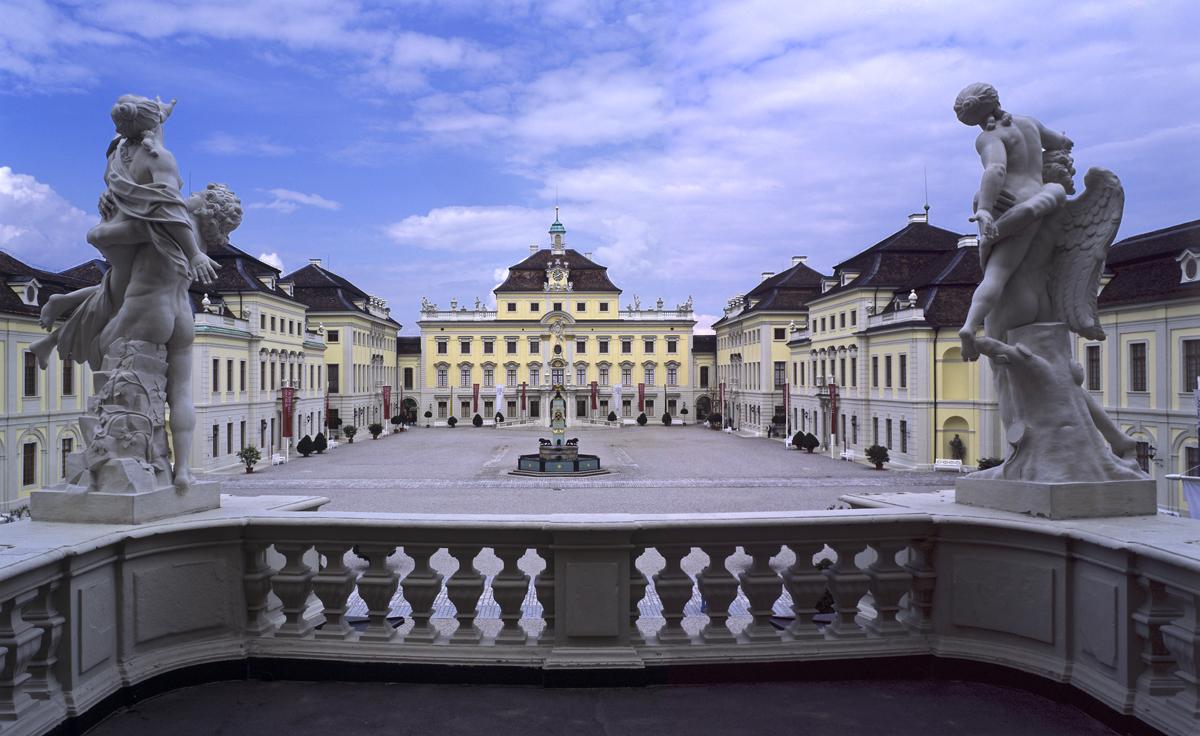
(77, 505)
(1060, 500)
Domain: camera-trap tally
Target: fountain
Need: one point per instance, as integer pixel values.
(558, 456)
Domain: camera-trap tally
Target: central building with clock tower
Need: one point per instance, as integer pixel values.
(558, 324)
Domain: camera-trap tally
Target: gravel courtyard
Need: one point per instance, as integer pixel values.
(655, 470)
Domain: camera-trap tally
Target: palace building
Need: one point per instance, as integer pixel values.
(558, 325)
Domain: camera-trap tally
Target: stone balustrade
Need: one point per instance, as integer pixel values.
(1111, 607)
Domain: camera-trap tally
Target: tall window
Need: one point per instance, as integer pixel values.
(229, 438)
(903, 436)
(580, 375)
(1191, 364)
(649, 346)
(464, 347)
(853, 370)
(875, 430)
(903, 372)
(216, 375)
(464, 377)
(216, 440)
(627, 346)
(841, 371)
(603, 375)
(443, 347)
(68, 378)
(649, 375)
(535, 346)
(535, 376)
(510, 347)
(510, 376)
(703, 376)
(602, 346)
(556, 376)
(780, 373)
(68, 446)
(31, 374)
(888, 425)
(242, 376)
(887, 372)
(333, 373)
(1137, 366)
(1093, 367)
(28, 463)
(875, 379)
(408, 378)
(229, 374)
(672, 376)
(626, 376)
(489, 347)
(672, 346)
(488, 377)
(581, 346)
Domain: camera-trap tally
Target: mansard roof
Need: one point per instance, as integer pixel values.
(787, 291)
(239, 271)
(13, 270)
(530, 274)
(897, 260)
(408, 345)
(944, 288)
(323, 290)
(1145, 267)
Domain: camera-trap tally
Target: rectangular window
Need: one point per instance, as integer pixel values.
(262, 321)
(580, 375)
(887, 371)
(464, 377)
(853, 318)
(875, 430)
(556, 377)
(272, 378)
(535, 346)
(558, 306)
(229, 374)
(854, 425)
(332, 336)
(580, 306)
(802, 376)
(1093, 367)
(242, 435)
(903, 436)
(333, 372)
(602, 346)
(229, 438)
(510, 347)
(272, 324)
(649, 407)
(603, 375)
(627, 346)
(780, 333)
(875, 372)
(672, 376)
(1191, 365)
(672, 346)
(242, 376)
(648, 372)
(1137, 366)
(780, 373)
(888, 426)
(68, 378)
(535, 408)
(488, 377)
(535, 376)
(28, 463)
(822, 324)
(512, 306)
(535, 307)
(464, 347)
(68, 446)
(489, 347)
(603, 306)
(510, 376)
(626, 408)
(465, 408)
(853, 369)
(443, 347)
(841, 371)
(581, 346)
(648, 346)
(842, 319)
(216, 375)
(31, 374)
(441, 410)
(903, 371)
(703, 376)
(216, 440)
(626, 376)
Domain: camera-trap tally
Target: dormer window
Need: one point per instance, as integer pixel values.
(30, 295)
(1189, 267)
(26, 290)
(267, 281)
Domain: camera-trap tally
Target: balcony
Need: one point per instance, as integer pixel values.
(1108, 608)
(898, 316)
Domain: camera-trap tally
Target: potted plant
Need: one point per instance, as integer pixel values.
(320, 444)
(376, 429)
(476, 421)
(451, 422)
(249, 455)
(612, 416)
(428, 416)
(397, 421)
(878, 455)
(641, 420)
(666, 418)
(305, 446)
(350, 431)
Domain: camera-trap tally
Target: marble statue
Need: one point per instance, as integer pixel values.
(1042, 255)
(135, 328)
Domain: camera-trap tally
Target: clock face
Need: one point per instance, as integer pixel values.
(557, 274)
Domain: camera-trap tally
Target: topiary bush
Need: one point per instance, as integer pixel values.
(612, 416)
(714, 420)
(666, 419)
(350, 431)
(397, 420)
(320, 444)
(249, 455)
(451, 422)
(428, 416)
(376, 429)
(499, 418)
(878, 455)
(989, 462)
(805, 441)
(305, 446)
(476, 421)
(641, 420)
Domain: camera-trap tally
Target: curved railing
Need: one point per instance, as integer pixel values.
(1109, 607)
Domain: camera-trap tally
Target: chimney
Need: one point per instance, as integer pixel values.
(797, 260)
(533, 248)
(968, 241)
(314, 262)
(918, 217)
(588, 255)
(767, 274)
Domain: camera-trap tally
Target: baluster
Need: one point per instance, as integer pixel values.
(421, 589)
(674, 589)
(847, 584)
(333, 585)
(638, 584)
(918, 614)
(888, 582)
(718, 587)
(20, 640)
(376, 586)
(43, 614)
(1182, 639)
(544, 587)
(293, 584)
(806, 584)
(509, 588)
(256, 584)
(1155, 611)
(762, 587)
(464, 590)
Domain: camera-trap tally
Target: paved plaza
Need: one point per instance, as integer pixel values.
(656, 469)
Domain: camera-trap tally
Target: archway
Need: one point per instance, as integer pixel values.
(703, 408)
(956, 426)
(410, 410)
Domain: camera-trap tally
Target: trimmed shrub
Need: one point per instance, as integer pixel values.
(320, 444)
(350, 432)
(499, 418)
(376, 429)
(429, 415)
(476, 421)
(807, 442)
(612, 416)
(989, 462)
(305, 446)
(878, 455)
(666, 419)
(451, 422)
(714, 420)
(249, 455)
(333, 422)
(397, 420)
(641, 420)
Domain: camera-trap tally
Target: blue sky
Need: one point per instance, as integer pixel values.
(419, 147)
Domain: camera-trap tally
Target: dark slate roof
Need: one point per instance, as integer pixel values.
(897, 260)
(704, 343)
(325, 291)
(786, 291)
(1144, 268)
(239, 271)
(944, 288)
(13, 270)
(406, 345)
(530, 274)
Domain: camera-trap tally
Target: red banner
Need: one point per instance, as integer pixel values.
(595, 392)
(475, 398)
(288, 395)
(522, 397)
(641, 397)
(387, 403)
(833, 397)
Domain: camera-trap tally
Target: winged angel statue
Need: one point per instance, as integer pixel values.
(1042, 255)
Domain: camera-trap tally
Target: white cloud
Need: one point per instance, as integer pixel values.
(39, 226)
(272, 259)
(288, 201)
(500, 229)
(704, 323)
(36, 39)
(228, 144)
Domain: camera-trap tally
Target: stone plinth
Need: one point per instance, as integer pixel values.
(77, 505)
(1060, 500)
